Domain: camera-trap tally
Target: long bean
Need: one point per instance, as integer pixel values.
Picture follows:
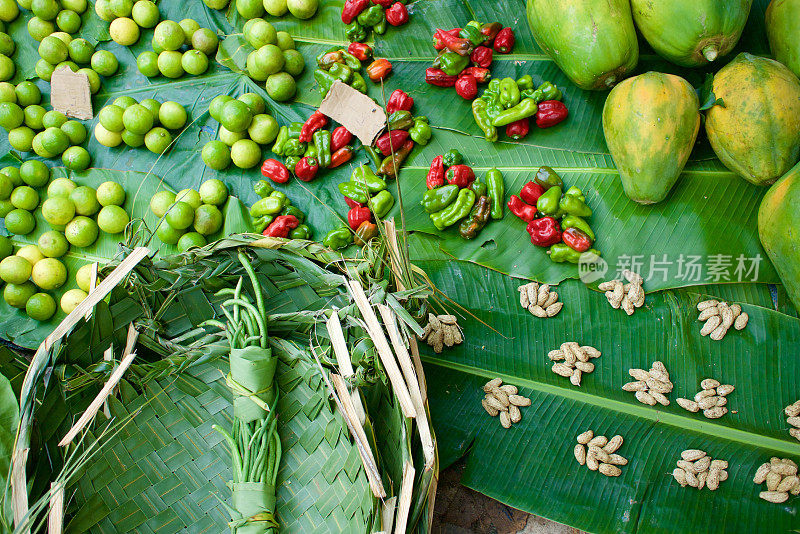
(248, 267)
(237, 458)
(262, 328)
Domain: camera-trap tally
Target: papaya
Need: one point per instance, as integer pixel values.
(779, 230)
(651, 122)
(691, 32)
(783, 29)
(593, 42)
(756, 131)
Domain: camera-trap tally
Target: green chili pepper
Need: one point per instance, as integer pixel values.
(547, 177)
(338, 238)
(324, 81)
(452, 157)
(439, 198)
(401, 120)
(526, 108)
(341, 72)
(475, 24)
(573, 205)
(293, 210)
(354, 191)
(311, 151)
(549, 91)
(261, 223)
(280, 141)
(479, 188)
(363, 175)
(452, 64)
(573, 221)
(496, 190)
(575, 191)
(266, 206)
(491, 97)
(374, 156)
(282, 196)
(471, 33)
(291, 162)
(494, 86)
(294, 147)
(509, 93)
(525, 82)
(380, 28)
(455, 211)
(482, 119)
(381, 203)
(561, 252)
(301, 232)
(421, 132)
(294, 130)
(263, 188)
(531, 93)
(351, 61)
(355, 32)
(359, 83)
(548, 202)
(478, 217)
(371, 16)
(321, 55)
(322, 142)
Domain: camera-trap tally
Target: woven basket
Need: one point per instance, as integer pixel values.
(157, 466)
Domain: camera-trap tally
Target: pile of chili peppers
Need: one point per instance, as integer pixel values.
(308, 147)
(363, 15)
(463, 197)
(274, 215)
(556, 220)
(341, 64)
(465, 55)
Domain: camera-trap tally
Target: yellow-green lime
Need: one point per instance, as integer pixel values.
(189, 26)
(75, 131)
(153, 106)
(17, 295)
(68, 21)
(39, 149)
(20, 222)
(236, 116)
(71, 65)
(111, 118)
(11, 115)
(207, 219)
(53, 119)
(124, 31)
(85, 200)
(6, 247)
(7, 46)
(253, 67)
(64, 36)
(8, 92)
(124, 102)
(55, 141)
(263, 129)
(132, 140)
(7, 68)
(24, 4)
(260, 33)
(21, 138)
(169, 35)
(39, 28)
(213, 192)
(44, 70)
(189, 240)
(172, 115)
(49, 274)
(103, 10)
(13, 174)
(228, 137)
(58, 210)
(216, 155)
(160, 202)
(71, 298)
(121, 8)
(157, 48)
(145, 13)
(40, 307)
(293, 62)
(194, 62)
(45, 9)
(214, 107)
(25, 197)
(104, 63)
(6, 187)
(80, 51)
(34, 115)
(78, 6)
(27, 93)
(281, 86)
(276, 8)
(137, 119)
(110, 194)
(285, 41)
(158, 140)
(250, 9)
(5, 208)
(93, 77)
(84, 277)
(53, 50)
(170, 64)
(34, 173)
(53, 244)
(254, 102)
(268, 60)
(9, 10)
(167, 234)
(81, 231)
(112, 219)
(302, 9)
(15, 270)
(246, 154)
(61, 187)
(189, 196)
(31, 253)
(147, 63)
(76, 158)
(180, 215)
(106, 137)
(216, 4)
(205, 40)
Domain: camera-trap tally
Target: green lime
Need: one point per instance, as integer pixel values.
(55, 141)
(53, 119)
(68, 21)
(170, 64)
(285, 41)
(216, 4)
(78, 6)
(7, 46)
(25, 197)
(6, 187)
(214, 108)
(213, 192)
(216, 155)
(124, 31)
(110, 194)
(80, 51)
(34, 117)
(111, 118)
(81, 231)
(6, 247)
(71, 298)
(228, 137)
(39, 149)
(194, 62)
(180, 215)
(106, 137)
(8, 10)
(53, 50)
(76, 158)
(172, 115)
(63, 36)
(61, 187)
(34, 173)
(276, 8)
(8, 92)
(147, 63)
(13, 173)
(169, 35)
(302, 9)
(5, 208)
(254, 101)
(250, 9)
(158, 140)
(205, 40)
(84, 277)
(153, 106)
(31, 253)
(39, 29)
(157, 48)
(112, 219)
(124, 102)
(189, 26)
(28, 94)
(189, 196)
(17, 295)
(15, 270)
(53, 244)
(94, 79)
(260, 33)
(11, 115)
(71, 65)
(104, 63)
(138, 119)
(189, 240)
(246, 154)
(160, 203)
(45, 9)
(167, 234)
(281, 86)
(269, 59)
(58, 211)
(40, 307)
(7, 68)
(132, 140)
(236, 116)
(75, 131)
(263, 129)
(146, 14)
(21, 138)
(85, 200)
(20, 222)
(253, 67)
(293, 62)
(49, 274)
(207, 219)
(121, 8)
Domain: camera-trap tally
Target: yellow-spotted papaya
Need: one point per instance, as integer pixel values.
(783, 32)
(779, 230)
(691, 32)
(594, 42)
(651, 122)
(756, 130)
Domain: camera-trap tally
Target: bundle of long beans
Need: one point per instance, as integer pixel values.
(254, 441)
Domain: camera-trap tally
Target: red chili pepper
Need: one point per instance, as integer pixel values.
(435, 176)
(460, 175)
(459, 45)
(518, 207)
(316, 121)
(544, 232)
(361, 50)
(275, 171)
(467, 87)
(379, 69)
(391, 140)
(518, 129)
(399, 100)
(352, 203)
(352, 8)
(281, 226)
(340, 137)
(356, 216)
(482, 57)
(489, 30)
(438, 44)
(439, 78)
(550, 113)
(306, 169)
(341, 156)
(577, 239)
(504, 42)
(531, 192)
(397, 15)
(384, 3)
(481, 75)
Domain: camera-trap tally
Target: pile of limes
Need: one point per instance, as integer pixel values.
(188, 217)
(50, 16)
(274, 59)
(178, 48)
(7, 49)
(244, 127)
(31, 127)
(61, 50)
(147, 123)
(19, 196)
(249, 9)
(127, 17)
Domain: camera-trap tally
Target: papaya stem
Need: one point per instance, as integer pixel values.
(710, 52)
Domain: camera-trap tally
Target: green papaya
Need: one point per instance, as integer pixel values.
(651, 122)
(779, 230)
(756, 132)
(783, 29)
(691, 32)
(594, 42)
